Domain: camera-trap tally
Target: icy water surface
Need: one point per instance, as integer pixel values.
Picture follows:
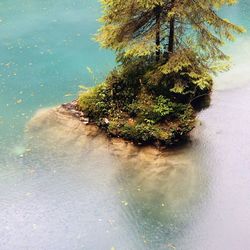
(61, 194)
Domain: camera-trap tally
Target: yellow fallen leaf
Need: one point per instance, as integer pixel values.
(83, 87)
(68, 94)
(89, 70)
(19, 101)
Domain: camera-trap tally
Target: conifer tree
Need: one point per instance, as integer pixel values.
(184, 35)
(166, 53)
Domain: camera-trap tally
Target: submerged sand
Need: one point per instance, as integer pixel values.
(60, 127)
(170, 174)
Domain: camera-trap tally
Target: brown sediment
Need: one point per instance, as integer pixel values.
(67, 124)
(170, 173)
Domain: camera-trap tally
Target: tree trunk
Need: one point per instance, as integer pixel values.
(171, 36)
(158, 32)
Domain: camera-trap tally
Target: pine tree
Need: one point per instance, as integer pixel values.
(166, 52)
(131, 26)
(183, 34)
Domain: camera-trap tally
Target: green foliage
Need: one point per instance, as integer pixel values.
(194, 30)
(167, 51)
(95, 101)
(155, 109)
(140, 132)
(134, 113)
(163, 107)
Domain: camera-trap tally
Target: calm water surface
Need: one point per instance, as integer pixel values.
(71, 197)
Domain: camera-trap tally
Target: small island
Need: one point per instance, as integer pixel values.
(167, 54)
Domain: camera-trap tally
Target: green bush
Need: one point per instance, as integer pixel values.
(96, 101)
(141, 106)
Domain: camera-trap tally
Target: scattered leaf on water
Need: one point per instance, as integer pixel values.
(124, 203)
(19, 101)
(83, 87)
(68, 94)
(171, 246)
(90, 70)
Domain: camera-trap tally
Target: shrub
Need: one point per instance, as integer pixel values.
(96, 101)
(141, 105)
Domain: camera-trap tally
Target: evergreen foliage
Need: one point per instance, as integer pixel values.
(167, 51)
(183, 33)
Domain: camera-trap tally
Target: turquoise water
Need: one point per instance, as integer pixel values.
(45, 49)
(66, 199)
